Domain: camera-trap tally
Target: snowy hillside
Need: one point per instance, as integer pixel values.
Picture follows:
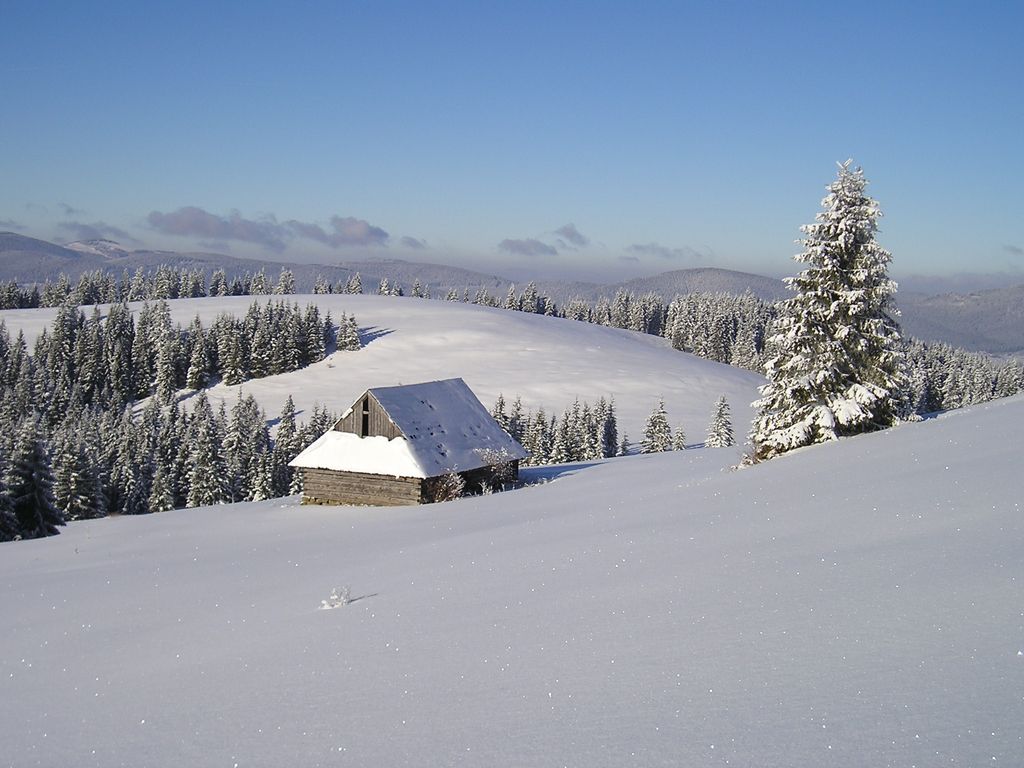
(548, 361)
(98, 247)
(853, 604)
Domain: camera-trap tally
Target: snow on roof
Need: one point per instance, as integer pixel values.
(445, 429)
(348, 452)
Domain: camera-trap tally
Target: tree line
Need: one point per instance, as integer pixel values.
(726, 328)
(165, 282)
(583, 432)
(72, 447)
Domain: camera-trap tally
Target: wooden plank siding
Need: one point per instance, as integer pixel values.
(325, 486)
(377, 422)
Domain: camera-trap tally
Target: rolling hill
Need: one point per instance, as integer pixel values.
(548, 361)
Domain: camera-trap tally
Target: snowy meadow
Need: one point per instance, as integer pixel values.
(855, 603)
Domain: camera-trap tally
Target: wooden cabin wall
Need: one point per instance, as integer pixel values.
(325, 486)
(379, 424)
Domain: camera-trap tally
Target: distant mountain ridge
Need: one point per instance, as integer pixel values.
(987, 321)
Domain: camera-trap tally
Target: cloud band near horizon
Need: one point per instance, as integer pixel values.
(267, 231)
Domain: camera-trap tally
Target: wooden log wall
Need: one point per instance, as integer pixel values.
(324, 486)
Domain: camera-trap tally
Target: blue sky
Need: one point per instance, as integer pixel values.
(574, 139)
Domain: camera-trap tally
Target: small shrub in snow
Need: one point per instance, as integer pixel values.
(447, 487)
(502, 468)
(339, 596)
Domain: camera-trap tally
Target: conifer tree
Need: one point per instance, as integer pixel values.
(166, 364)
(286, 447)
(537, 439)
(530, 300)
(720, 428)
(657, 433)
(198, 375)
(679, 439)
(313, 346)
(511, 298)
(348, 335)
(77, 494)
(330, 339)
(161, 494)
(258, 286)
(118, 342)
(609, 427)
(285, 282)
(8, 522)
(218, 283)
(498, 412)
(838, 363)
(207, 474)
(29, 483)
(516, 424)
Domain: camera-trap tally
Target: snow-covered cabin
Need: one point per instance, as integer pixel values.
(395, 443)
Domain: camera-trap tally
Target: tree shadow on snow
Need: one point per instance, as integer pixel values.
(369, 335)
(545, 474)
(361, 597)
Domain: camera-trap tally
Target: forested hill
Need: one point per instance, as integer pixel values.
(987, 321)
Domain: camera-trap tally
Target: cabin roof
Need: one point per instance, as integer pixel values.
(444, 428)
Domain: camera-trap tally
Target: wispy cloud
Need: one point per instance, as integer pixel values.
(527, 247)
(573, 235)
(69, 211)
(192, 221)
(1015, 250)
(345, 231)
(98, 230)
(10, 224)
(629, 259)
(414, 243)
(267, 231)
(664, 252)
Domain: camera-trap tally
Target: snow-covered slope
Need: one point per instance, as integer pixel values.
(98, 247)
(854, 604)
(548, 361)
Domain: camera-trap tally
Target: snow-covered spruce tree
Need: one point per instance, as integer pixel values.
(657, 433)
(9, 528)
(29, 483)
(286, 282)
(206, 480)
(720, 428)
(354, 284)
(838, 364)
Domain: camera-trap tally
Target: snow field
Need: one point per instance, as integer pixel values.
(852, 604)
